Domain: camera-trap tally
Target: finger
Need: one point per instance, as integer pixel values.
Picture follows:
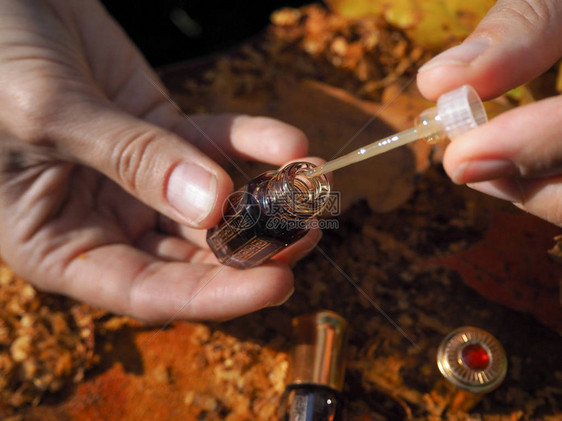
(540, 197)
(142, 94)
(221, 137)
(170, 248)
(197, 246)
(129, 281)
(156, 166)
(302, 248)
(523, 142)
(255, 138)
(199, 237)
(163, 170)
(516, 41)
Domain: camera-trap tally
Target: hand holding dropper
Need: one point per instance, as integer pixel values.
(457, 112)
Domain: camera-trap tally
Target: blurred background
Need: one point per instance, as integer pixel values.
(170, 31)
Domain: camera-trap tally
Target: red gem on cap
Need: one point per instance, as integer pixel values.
(475, 357)
(472, 359)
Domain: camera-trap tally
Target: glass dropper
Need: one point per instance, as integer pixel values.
(457, 112)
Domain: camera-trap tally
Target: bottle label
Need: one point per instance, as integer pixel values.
(299, 407)
(256, 249)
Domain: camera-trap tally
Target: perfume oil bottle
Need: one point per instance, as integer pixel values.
(268, 214)
(317, 369)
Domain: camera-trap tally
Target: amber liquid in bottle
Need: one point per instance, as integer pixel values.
(268, 214)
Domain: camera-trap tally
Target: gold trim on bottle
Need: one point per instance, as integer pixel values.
(319, 349)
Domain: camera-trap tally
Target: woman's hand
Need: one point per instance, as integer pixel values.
(105, 189)
(517, 156)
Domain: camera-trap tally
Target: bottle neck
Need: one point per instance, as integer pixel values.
(291, 193)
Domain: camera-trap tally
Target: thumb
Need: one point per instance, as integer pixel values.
(516, 41)
(158, 167)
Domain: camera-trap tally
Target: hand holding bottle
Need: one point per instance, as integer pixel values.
(105, 189)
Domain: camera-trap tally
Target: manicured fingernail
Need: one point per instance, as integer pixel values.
(474, 171)
(461, 55)
(192, 191)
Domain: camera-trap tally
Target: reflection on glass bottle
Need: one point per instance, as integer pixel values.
(317, 369)
(312, 403)
(268, 214)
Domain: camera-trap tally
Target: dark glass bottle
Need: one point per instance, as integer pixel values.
(317, 369)
(268, 214)
(312, 402)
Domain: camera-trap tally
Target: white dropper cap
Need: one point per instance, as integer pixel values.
(460, 110)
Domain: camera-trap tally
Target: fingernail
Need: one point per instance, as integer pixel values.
(503, 191)
(306, 251)
(474, 171)
(461, 55)
(281, 301)
(192, 191)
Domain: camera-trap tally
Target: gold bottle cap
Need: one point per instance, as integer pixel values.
(318, 352)
(472, 359)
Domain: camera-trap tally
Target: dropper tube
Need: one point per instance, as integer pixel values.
(457, 112)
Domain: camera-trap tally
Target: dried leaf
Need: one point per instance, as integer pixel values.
(435, 24)
(521, 95)
(522, 278)
(42, 347)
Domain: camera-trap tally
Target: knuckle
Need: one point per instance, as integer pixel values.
(131, 158)
(33, 109)
(13, 161)
(531, 14)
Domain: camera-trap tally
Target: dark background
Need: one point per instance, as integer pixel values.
(204, 26)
